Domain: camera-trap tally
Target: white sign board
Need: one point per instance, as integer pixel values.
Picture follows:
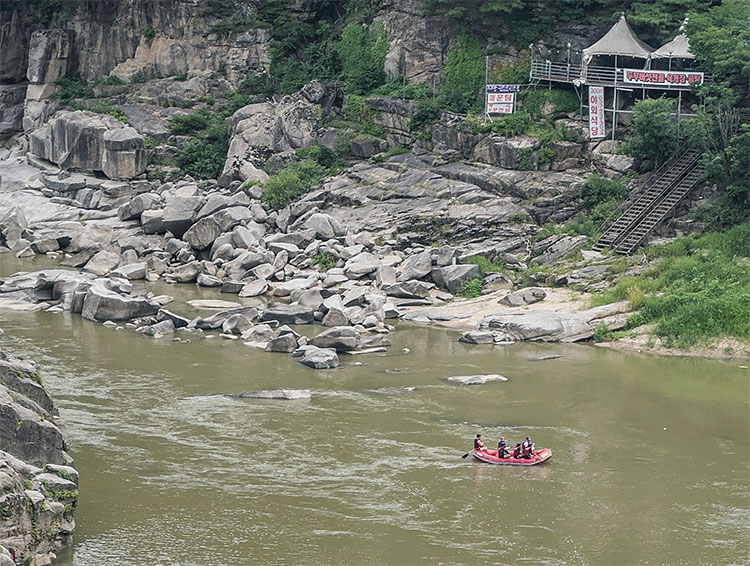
(662, 78)
(596, 112)
(501, 102)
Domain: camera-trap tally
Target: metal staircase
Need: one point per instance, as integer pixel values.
(664, 189)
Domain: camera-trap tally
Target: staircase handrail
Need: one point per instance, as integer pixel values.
(646, 186)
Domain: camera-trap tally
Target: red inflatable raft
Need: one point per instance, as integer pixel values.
(490, 457)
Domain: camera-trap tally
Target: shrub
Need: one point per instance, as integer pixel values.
(190, 123)
(555, 103)
(362, 52)
(485, 265)
(654, 137)
(597, 190)
(398, 88)
(602, 333)
(102, 107)
(202, 158)
(291, 182)
(113, 80)
(324, 261)
(138, 78)
(427, 113)
(464, 75)
(472, 288)
(70, 86)
(149, 34)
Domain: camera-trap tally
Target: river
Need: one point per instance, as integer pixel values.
(651, 456)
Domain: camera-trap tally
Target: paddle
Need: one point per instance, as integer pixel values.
(469, 452)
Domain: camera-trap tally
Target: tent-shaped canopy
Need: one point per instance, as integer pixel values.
(678, 48)
(619, 40)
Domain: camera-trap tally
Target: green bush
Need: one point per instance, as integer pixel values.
(190, 123)
(113, 80)
(202, 158)
(472, 288)
(324, 261)
(149, 33)
(426, 113)
(398, 88)
(362, 52)
(602, 333)
(598, 190)
(486, 266)
(464, 76)
(654, 137)
(102, 107)
(138, 78)
(70, 86)
(699, 291)
(292, 182)
(557, 102)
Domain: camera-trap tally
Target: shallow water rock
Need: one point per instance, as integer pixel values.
(286, 394)
(415, 266)
(320, 358)
(476, 379)
(102, 263)
(340, 338)
(288, 314)
(101, 302)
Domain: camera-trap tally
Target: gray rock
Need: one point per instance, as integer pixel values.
(282, 343)
(497, 282)
(203, 233)
(288, 314)
(164, 327)
(408, 290)
(236, 324)
(453, 277)
(476, 379)
(477, 337)
(416, 266)
(179, 214)
(320, 358)
(102, 263)
(177, 320)
(124, 154)
(259, 333)
(152, 222)
(286, 288)
(131, 271)
(205, 280)
(187, 273)
(335, 317)
(527, 296)
(546, 326)
(360, 265)
(284, 394)
(103, 303)
(324, 226)
(340, 338)
(137, 206)
(561, 248)
(45, 245)
(254, 288)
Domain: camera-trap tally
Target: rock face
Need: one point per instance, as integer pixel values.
(91, 142)
(39, 485)
(101, 302)
(260, 130)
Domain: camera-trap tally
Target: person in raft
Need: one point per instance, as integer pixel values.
(502, 452)
(478, 444)
(528, 448)
(517, 450)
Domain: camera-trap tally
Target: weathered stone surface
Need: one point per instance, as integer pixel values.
(536, 325)
(527, 296)
(335, 317)
(288, 314)
(340, 338)
(236, 324)
(206, 280)
(285, 394)
(560, 248)
(477, 337)
(282, 343)
(187, 273)
(160, 328)
(152, 222)
(102, 263)
(179, 214)
(453, 277)
(320, 358)
(416, 266)
(124, 154)
(131, 271)
(254, 288)
(103, 303)
(202, 234)
(476, 379)
(361, 265)
(138, 204)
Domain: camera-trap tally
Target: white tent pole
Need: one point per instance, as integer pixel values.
(614, 117)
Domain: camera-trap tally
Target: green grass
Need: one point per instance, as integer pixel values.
(324, 261)
(472, 288)
(698, 291)
(485, 265)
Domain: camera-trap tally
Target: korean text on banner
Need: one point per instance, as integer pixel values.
(596, 112)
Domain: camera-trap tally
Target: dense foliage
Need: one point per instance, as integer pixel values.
(362, 52)
(698, 291)
(654, 137)
(464, 76)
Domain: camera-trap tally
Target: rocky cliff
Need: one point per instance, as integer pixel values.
(38, 481)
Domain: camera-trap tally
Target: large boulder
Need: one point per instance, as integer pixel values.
(101, 302)
(548, 326)
(202, 234)
(124, 155)
(179, 214)
(320, 358)
(288, 314)
(453, 277)
(340, 338)
(360, 265)
(137, 206)
(416, 266)
(102, 263)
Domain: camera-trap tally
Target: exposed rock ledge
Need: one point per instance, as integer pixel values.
(39, 485)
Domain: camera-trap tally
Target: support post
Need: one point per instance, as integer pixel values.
(679, 113)
(614, 116)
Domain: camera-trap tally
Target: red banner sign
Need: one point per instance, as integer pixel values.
(662, 78)
(500, 102)
(596, 112)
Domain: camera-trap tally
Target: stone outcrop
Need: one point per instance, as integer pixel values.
(90, 142)
(38, 485)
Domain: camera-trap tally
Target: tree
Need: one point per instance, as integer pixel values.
(720, 39)
(464, 73)
(654, 138)
(362, 51)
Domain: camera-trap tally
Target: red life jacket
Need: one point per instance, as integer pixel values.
(478, 444)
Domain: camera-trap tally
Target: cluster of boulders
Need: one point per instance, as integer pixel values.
(38, 483)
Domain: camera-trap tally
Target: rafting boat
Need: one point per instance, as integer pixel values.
(490, 457)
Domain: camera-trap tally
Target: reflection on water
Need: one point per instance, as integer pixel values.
(370, 471)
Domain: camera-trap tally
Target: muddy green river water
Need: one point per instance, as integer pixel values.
(650, 465)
